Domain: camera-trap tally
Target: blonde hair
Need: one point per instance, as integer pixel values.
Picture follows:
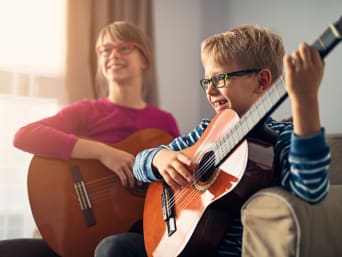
(248, 46)
(125, 31)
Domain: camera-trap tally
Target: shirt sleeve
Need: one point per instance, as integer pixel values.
(54, 136)
(142, 166)
(303, 163)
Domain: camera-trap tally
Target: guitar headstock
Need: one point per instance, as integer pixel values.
(338, 25)
(329, 39)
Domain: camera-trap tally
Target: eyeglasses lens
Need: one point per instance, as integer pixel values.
(123, 48)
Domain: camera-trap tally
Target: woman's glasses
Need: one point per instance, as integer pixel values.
(123, 48)
(220, 80)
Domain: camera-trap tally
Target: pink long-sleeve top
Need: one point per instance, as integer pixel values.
(99, 120)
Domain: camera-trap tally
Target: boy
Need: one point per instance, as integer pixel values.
(240, 66)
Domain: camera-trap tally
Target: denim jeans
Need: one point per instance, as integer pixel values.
(123, 245)
(28, 247)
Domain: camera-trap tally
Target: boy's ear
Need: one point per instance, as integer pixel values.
(264, 80)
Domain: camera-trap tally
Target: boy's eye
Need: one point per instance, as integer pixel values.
(217, 79)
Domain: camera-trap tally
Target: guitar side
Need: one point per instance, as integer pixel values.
(78, 202)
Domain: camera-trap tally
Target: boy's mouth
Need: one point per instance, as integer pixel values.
(220, 105)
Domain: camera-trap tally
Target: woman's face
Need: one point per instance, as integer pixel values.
(121, 62)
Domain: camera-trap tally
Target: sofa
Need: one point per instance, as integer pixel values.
(279, 224)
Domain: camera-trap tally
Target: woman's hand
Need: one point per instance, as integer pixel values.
(118, 161)
(121, 163)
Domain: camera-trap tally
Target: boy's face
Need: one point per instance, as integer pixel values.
(239, 92)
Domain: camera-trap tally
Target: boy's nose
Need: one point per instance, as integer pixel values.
(211, 89)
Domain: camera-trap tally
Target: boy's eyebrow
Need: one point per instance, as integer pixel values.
(213, 74)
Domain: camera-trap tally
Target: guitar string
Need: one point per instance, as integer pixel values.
(223, 146)
(193, 192)
(106, 183)
(99, 189)
(198, 174)
(258, 108)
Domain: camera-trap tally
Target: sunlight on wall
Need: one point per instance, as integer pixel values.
(31, 31)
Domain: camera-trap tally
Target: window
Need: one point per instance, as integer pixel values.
(31, 83)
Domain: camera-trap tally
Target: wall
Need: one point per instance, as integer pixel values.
(182, 25)
(177, 31)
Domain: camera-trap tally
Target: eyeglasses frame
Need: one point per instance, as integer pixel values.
(226, 77)
(115, 45)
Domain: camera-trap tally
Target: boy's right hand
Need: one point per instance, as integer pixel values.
(174, 167)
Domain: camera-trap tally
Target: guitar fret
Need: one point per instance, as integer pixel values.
(263, 105)
(258, 110)
(240, 131)
(236, 138)
(276, 91)
(246, 127)
(220, 145)
(251, 120)
(265, 102)
(267, 94)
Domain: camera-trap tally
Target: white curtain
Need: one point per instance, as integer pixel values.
(31, 85)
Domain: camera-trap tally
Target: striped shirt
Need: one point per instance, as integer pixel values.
(303, 164)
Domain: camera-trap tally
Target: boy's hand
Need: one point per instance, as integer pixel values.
(304, 72)
(303, 75)
(174, 167)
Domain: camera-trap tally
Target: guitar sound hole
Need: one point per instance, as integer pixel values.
(206, 166)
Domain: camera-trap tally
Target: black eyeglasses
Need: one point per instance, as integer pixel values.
(220, 80)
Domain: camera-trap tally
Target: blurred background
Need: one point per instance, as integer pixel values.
(47, 60)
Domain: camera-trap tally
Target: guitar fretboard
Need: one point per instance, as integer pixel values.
(264, 106)
(272, 98)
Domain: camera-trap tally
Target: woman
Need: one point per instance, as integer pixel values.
(85, 128)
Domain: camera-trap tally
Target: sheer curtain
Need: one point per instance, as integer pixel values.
(48, 60)
(31, 82)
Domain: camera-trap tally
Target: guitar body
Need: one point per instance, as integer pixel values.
(204, 211)
(78, 202)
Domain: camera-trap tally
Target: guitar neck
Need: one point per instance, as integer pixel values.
(273, 97)
(329, 39)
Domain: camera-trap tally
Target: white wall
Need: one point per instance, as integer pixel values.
(182, 25)
(177, 30)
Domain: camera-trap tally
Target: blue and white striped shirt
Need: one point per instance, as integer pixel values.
(303, 163)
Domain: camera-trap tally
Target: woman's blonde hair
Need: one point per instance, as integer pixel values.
(248, 46)
(125, 31)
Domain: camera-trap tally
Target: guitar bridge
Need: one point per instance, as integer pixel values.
(82, 196)
(168, 209)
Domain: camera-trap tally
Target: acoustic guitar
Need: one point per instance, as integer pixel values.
(192, 221)
(78, 202)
